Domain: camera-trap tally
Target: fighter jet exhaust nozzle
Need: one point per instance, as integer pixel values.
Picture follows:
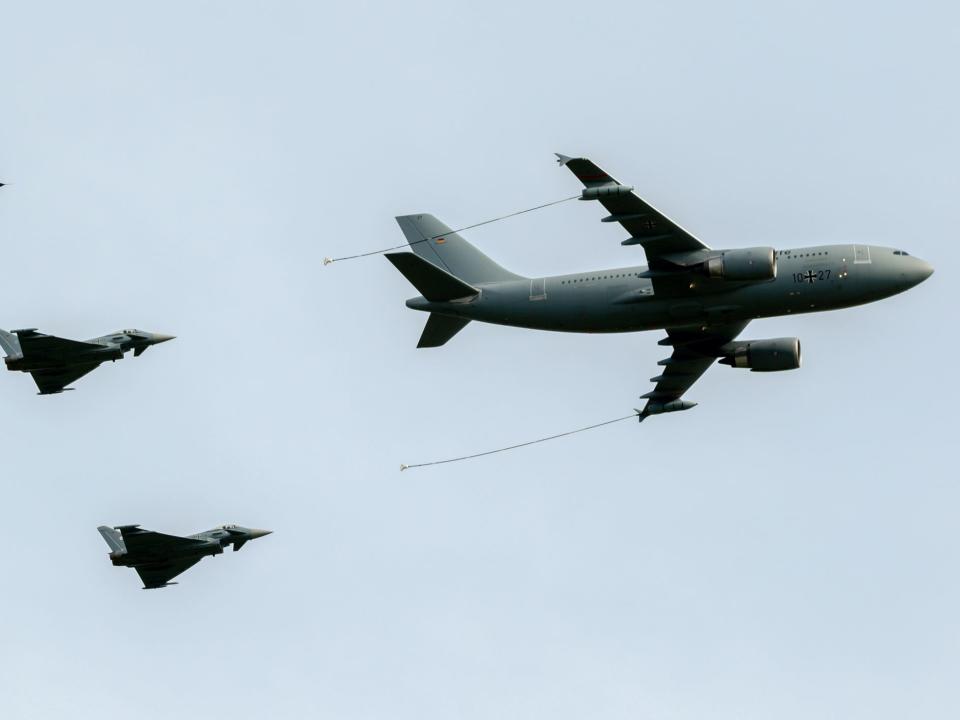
(747, 265)
(763, 355)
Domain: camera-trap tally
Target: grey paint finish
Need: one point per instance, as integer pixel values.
(622, 300)
(158, 558)
(57, 362)
(693, 292)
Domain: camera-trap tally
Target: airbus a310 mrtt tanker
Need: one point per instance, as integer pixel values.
(703, 298)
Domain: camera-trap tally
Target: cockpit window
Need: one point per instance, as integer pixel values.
(900, 252)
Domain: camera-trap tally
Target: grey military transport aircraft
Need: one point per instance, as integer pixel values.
(55, 362)
(159, 558)
(703, 298)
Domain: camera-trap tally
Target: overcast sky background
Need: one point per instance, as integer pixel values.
(789, 549)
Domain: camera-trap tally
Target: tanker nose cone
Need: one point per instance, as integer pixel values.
(255, 533)
(918, 271)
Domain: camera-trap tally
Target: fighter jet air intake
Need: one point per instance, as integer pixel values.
(55, 362)
(159, 558)
(703, 298)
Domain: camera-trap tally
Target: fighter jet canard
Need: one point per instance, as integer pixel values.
(159, 558)
(56, 362)
(703, 298)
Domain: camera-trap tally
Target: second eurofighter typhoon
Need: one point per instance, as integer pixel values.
(158, 558)
(56, 362)
(703, 298)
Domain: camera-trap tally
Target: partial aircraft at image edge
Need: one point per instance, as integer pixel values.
(703, 298)
(56, 362)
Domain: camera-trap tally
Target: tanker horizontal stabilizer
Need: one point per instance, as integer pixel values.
(434, 284)
(439, 329)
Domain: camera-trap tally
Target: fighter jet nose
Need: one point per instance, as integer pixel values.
(255, 533)
(158, 338)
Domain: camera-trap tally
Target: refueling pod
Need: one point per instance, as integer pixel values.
(658, 408)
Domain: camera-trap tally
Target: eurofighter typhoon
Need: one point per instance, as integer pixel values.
(703, 298)
(56, 362)
(159, 558)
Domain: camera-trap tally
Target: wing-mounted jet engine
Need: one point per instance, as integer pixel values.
(747, 265)
(763, 355)
(743, 265)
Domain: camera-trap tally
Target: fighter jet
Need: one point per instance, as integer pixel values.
(702, 298)
(159, 558)
(55, 362)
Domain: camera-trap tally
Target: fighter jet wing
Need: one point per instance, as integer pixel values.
(146, 542)
(56, 379)
(648, 227)
(39, 346)
(695, 349)
(156, 575)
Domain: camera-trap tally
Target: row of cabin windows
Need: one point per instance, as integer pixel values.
(599, 277)
(791, 254)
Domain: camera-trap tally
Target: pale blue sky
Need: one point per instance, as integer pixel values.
(789, 549)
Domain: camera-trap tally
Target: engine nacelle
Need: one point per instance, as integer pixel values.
(747, 265)
(763, 355)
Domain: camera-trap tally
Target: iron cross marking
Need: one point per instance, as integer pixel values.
(810, 277)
